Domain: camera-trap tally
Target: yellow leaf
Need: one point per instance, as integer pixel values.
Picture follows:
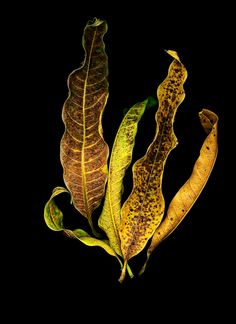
(83, 151)
(120, 159)
(189, 192)
(85, 238)
(144, 208)
(54, 220)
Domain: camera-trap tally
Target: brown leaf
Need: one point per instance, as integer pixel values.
(84, 152)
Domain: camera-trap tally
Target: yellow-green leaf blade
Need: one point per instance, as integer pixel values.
(85, 238)
(83, 150)
(190, 191)
(144, 208)
(88, 240)
(120, 159)
(54, 220)
(52, 214)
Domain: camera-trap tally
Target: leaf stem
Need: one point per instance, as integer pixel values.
(143, 267)
(123, 272)
(130, 271)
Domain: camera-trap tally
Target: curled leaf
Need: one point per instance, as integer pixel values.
(143, 210)
(54, 220)
(84, 152)
(52, 214)
(120, 159)
(190, 191)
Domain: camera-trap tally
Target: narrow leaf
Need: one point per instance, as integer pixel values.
(120, 159)
(85, 238)
(143, 210)
(91, 241)
(54, 220)
(190, 191)
(84, 152)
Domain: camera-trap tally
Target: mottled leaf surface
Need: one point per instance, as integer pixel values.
(84, 152)
(52, 214)
(190, 191)
(120, 159)
(144, 208)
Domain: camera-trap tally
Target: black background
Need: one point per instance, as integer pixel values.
(64, 274)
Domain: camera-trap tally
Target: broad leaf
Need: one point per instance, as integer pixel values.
(120, 159)
(84, 152)
(144, 208)
(190, 191)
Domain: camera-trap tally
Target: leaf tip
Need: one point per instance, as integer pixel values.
(174, 54)
(95, 22)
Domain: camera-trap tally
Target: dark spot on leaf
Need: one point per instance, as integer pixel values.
(208, 147)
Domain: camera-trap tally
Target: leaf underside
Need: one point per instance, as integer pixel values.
(83, 150)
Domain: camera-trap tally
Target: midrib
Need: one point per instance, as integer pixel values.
(84, 132)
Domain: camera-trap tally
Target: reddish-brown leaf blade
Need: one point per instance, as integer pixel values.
(84, 152)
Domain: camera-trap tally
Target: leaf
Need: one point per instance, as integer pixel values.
(84, 152)
(52, 214)
(54, 220)
(85, 238)
(120, 159)
(143, 210)
(190, 191)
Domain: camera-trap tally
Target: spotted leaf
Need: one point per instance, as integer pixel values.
(143, 210)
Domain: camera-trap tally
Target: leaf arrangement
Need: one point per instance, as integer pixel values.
(84, 156)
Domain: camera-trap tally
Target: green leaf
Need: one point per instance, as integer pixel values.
(84, 152)
(120, 159)
(143, 210)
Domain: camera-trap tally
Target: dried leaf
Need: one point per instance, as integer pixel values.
(144, 208)
(84, 152)
(120, 159)
(190, 191)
